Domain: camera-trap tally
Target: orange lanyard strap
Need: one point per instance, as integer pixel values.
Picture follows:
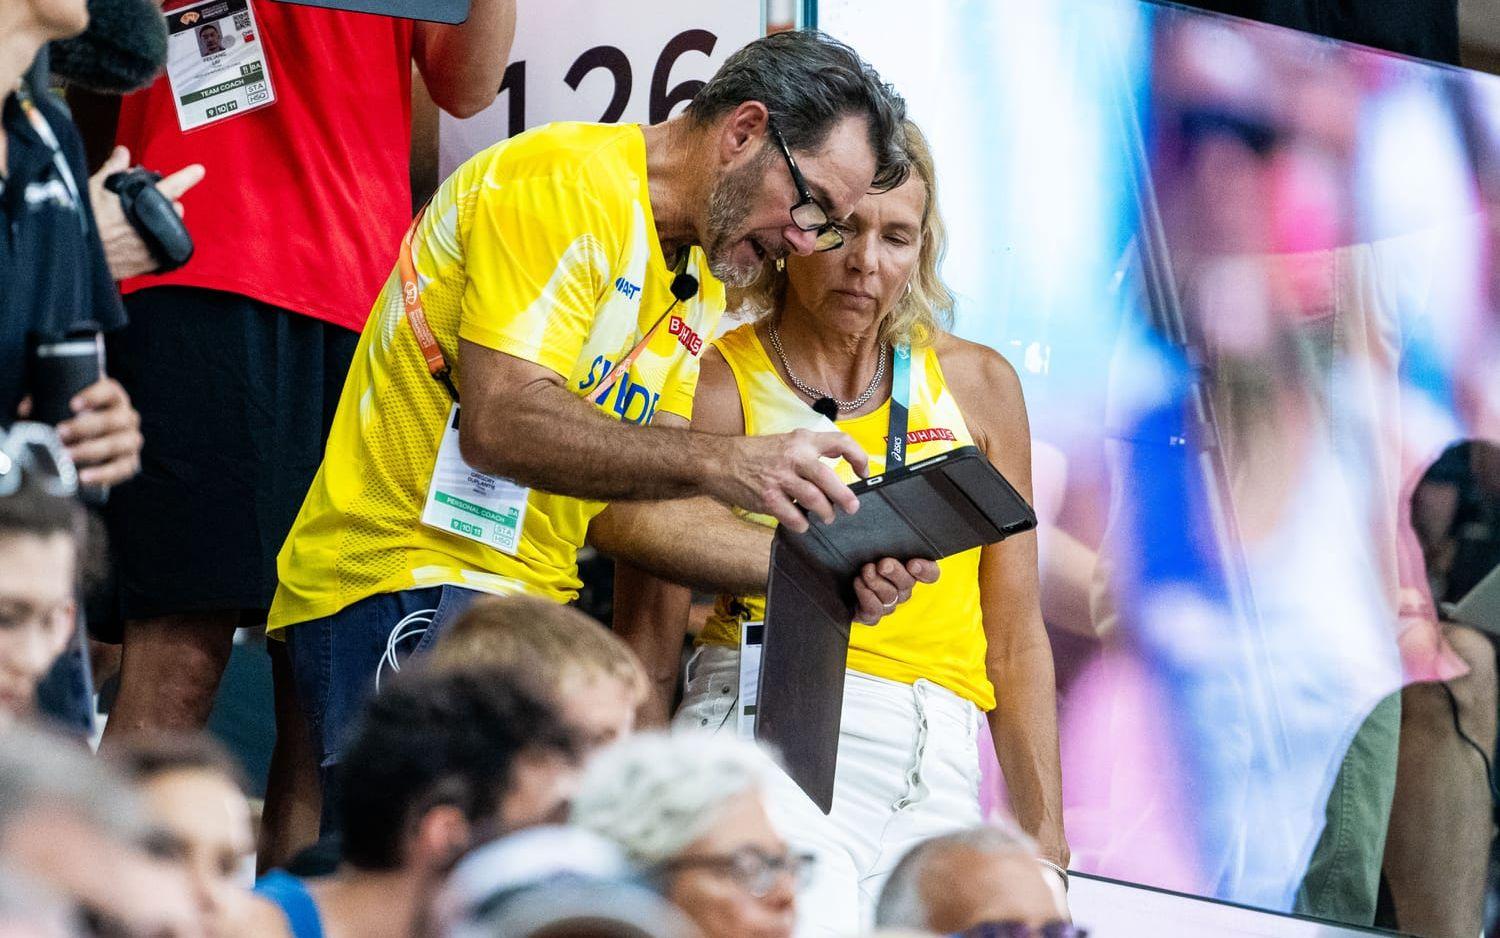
(623, 365)
(411, 299)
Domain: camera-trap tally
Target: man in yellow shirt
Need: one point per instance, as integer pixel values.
(562, 286)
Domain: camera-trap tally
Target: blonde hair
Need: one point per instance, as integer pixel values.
(548, 642)
(919, 316)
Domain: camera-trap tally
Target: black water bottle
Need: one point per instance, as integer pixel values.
(60, 368)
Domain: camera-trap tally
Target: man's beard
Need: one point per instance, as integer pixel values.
(728, 207)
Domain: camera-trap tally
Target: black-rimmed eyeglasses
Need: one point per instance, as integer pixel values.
(807, 214)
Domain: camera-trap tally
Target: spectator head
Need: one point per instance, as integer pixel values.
(442, 759)
(980, 875)
(41, 531)
(71, 824)
(688, 809)
(195, 801)
(1448, 507)
(922, 311)
(555, 881)
(841, 125)
(597, 682)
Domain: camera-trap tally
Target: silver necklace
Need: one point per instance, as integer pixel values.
(816, 394)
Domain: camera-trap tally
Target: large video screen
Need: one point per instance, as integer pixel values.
(1250, 280)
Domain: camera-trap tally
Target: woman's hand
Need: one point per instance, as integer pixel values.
(885, 584)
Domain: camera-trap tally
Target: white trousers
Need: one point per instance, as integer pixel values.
(908, 769)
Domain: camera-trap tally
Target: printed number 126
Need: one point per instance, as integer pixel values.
(617, 63)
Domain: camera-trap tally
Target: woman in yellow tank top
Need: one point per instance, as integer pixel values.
(971, 644)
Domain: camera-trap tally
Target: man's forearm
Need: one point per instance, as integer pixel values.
(693, 541)
(553, 440)
(1024, 727)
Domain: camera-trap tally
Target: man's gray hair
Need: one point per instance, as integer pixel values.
(656, 793)
(40, 771)
(809, 82)
(901, 904)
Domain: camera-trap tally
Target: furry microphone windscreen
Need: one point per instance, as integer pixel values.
(123, 49)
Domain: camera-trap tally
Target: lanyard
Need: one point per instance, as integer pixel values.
(432, 352)
(623, 365)
(895, 454)
(43, 130)
(411, 299)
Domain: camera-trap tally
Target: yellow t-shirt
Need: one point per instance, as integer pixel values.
(543, 247)
(938, 634)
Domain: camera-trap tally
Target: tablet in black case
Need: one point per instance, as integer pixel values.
(941, 506)
(437, 11)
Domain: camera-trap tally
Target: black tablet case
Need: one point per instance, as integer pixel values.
(941, 506)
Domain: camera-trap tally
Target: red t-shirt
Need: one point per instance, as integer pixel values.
(305, 200)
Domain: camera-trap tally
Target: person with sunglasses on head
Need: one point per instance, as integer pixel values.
(561, 285)
(689, 811)
(41, 542)
(845, 337)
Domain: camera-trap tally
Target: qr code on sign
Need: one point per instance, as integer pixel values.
(242, 21)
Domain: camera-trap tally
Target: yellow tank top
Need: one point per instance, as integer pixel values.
(939, 633)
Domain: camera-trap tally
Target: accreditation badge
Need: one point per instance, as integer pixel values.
(462, 500)
(752, 641)
(216, 62)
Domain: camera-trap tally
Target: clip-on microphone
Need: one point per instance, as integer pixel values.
(684, 285)
(827, 407)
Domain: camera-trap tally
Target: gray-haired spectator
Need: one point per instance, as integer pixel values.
(553, 880)
(688, 810)
(72, 825)
(980, 875)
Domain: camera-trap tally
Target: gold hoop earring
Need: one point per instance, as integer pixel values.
(780, 264)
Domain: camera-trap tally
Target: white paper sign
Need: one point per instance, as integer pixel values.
(602, 60)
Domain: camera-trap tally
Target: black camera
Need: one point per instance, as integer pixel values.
(152, 216)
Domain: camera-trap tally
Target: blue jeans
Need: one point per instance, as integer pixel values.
(339, 660)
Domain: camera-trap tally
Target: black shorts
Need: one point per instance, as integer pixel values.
(236, 397)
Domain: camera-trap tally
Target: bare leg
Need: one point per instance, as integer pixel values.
(1437, 852)
(294, 794)
(170, 669)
